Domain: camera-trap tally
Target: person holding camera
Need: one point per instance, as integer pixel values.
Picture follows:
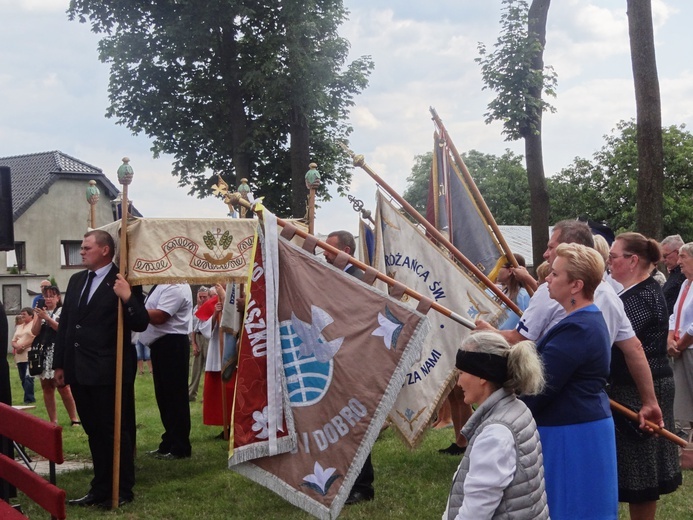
(45, 328)
(21, 345)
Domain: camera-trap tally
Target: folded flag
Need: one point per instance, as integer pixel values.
(345, 349)
(406, 255)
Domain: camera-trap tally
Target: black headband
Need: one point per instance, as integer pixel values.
(491, 367)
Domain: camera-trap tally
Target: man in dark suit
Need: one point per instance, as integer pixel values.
(363, 485)
(670, 256)
(85, 358)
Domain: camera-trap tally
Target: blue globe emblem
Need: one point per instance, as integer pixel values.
(307, 379)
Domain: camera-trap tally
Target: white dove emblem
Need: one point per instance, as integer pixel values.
(314, 343)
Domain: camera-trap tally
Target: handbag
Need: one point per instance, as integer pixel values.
(37, 355)
(37, 360)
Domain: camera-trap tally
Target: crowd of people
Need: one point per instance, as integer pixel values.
(605, 326)
(542, 441)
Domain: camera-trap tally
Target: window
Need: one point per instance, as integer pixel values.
(70, 256)
(16, 259)
(12, 298)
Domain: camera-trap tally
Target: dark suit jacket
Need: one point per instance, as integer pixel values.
(355, 272)
(85, 346)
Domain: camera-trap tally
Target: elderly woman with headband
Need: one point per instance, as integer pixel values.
(501, 473)
(572, 413)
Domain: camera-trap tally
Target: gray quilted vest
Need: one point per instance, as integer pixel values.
(525, 497)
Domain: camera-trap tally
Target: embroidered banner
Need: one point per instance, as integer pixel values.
(250, 419)
(345, 348)
(405, 254)
(196, 251)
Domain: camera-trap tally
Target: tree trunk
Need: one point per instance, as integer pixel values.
(238, 131)
(538, 192)
(300, 154)
(650, 200)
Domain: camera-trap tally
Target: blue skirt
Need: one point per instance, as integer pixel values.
(580, 470)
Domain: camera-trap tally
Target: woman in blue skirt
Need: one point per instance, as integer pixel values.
(573, 414)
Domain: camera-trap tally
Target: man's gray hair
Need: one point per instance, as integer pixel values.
(675, 241)
(202, 289)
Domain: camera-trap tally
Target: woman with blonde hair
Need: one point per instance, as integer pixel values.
(501, 473)
(21, 345)
(572, 413)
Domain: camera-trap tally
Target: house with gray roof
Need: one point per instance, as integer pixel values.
(50, 214)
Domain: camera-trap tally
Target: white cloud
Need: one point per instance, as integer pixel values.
(36, 6)
(53, 90)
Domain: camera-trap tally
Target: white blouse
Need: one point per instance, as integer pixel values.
(686, 323)
(492, 465)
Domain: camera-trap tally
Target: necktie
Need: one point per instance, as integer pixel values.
(682, 302)
(87, 289)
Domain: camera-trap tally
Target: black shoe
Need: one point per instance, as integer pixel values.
(170, 456)
(156, 453)
(86, 500)
(357, 496)
(106, 504)
(453, 449)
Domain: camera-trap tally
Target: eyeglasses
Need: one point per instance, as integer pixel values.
(669, 253)
(624, 255)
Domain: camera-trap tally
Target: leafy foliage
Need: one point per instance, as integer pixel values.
(502, 182)
(509, 71)
(605, 187)
(515, 71)
(416, 192)
(220, 85)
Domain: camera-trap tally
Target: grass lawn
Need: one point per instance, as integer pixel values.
(408, 485)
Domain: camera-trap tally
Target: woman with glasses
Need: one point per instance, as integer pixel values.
(45, 326)
(648, 466)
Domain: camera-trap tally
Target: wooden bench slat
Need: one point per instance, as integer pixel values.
(49, 497)
(7, 512)
(38, 435)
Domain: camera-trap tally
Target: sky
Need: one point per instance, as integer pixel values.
(53, 91)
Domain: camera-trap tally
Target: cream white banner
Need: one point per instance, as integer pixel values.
(196, 251)
(405, 254)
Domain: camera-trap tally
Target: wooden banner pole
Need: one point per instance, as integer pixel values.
(433, 231)
(475, 192)
(125, 177)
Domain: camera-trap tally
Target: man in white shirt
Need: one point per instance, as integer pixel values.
(543, 313)
(170, 315)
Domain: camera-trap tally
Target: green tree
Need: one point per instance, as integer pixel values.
(240, 88)
(502, 181)
(515, 71)
(416, 192)
(605, 188)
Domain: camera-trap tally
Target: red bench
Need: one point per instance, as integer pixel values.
(42, 437)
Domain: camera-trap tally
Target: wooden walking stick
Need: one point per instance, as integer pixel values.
(630, 414)
(125, 174)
